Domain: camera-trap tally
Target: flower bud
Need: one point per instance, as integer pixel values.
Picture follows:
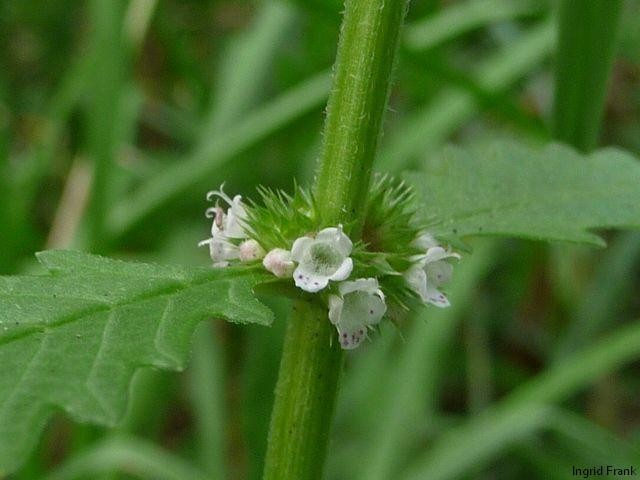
(278, 261)
(250, 250)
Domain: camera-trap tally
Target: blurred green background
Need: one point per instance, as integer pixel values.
(116, 117)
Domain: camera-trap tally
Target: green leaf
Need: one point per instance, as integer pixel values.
(507, 188)
(73, 339)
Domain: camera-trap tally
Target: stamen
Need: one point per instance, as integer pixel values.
(219, 217)
(220, 194)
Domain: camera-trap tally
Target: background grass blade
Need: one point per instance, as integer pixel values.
(525, 411)
(105, 101)
(242, 70)
(417, 372)
(207, 387)
(450, 23)
(586, 44)
(196, 171)
(432, 125)
(599, 305)
(129, 455)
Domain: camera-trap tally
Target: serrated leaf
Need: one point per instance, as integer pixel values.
(72, 339)
(509, 189)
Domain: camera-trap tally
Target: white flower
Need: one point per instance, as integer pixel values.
(323, 258)
(231, 222)
(220, 250)
(250, 250)
(278, 261)
(359, 306)
(226, 226)
(431, 271)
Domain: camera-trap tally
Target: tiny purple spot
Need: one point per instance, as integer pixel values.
(300, 277)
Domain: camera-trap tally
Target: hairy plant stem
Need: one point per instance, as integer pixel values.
(305, 394)
(312, 359)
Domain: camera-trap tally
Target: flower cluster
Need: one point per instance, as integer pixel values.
(414, 266)
(227, 229)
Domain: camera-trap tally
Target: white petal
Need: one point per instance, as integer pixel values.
(351, 339)
(237, 203)
(335, 308)
(437, 298)
(220, 194)
(350, 335)
(435, 254)
(418, 259)
(299, 247)
(376, 308)
(337, 238)
(369, 285)
(236, 215)
(359, 310)
(343, 271)
(363, 305)
(235, 230)
(328, 234)
(438, 273)
(226, 251)
(309, 281)
(220, 250)
(425, 241)
(416, 278)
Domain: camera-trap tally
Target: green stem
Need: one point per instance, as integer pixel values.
(305, 395)
(586, 46)
(368, 42)
(311, 360)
